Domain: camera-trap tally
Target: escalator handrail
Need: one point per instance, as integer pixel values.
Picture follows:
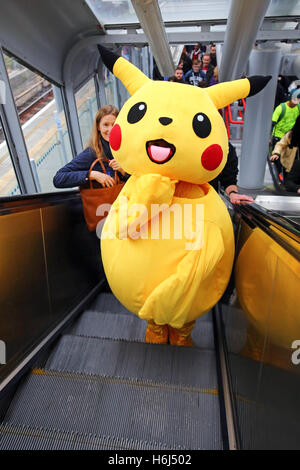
(266, 215)
(270, 217)
(265, 219)
(24, 201)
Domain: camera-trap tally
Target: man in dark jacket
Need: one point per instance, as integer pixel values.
(227, 179)
(213, 55)
(207, 68)
(292, 181)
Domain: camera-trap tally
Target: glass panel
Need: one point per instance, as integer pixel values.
(8, 182)
(87, 108)
(121, 11)
(284, 8)
(189, 10)
(110, 83)
(113, 11)
(43, 122)
(43, 280)
(262, 328)
(118, 12)
(279, 387)
(117, 31)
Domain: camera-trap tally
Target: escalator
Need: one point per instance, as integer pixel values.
(96, 385)
(102, 387)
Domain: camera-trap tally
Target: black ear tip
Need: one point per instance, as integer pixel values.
(109, 58)
(257, 83)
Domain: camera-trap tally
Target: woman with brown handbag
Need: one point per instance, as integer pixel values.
(95, 164)
(76, 172)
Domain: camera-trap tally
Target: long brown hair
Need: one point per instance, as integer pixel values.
(95, 141)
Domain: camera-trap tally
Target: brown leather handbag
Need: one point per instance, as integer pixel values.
(94, 195)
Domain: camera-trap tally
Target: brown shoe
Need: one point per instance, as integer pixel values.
(158, 334)
(181, 336)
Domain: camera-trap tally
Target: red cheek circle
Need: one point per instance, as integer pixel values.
(115, 137)
(212, 157)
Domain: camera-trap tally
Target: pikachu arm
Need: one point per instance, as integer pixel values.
(173, 298)
(136, 201)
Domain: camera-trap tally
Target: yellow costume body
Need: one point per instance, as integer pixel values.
(167, 244)
(166, 280)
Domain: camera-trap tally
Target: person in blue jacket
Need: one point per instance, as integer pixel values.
(75, 173)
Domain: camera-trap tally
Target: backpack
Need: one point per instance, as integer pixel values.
(283, 109)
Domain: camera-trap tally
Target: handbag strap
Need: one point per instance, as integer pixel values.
(117, 180)
(116, 177)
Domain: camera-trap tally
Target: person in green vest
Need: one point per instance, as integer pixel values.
(287, 149)
(284, 118)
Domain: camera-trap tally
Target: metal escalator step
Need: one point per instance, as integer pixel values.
(163, 363)
(131, 328)
(106, 302)
(150, 412)
(108, 325)
(29, 438)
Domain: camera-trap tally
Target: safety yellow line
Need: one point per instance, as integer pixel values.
(138, 382)
(210, 391)
(63, 436)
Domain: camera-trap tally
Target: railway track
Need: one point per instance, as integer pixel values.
(29, 109)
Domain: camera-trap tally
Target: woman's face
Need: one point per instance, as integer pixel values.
(105, 125)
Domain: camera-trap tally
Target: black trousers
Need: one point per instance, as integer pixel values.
(277, 162)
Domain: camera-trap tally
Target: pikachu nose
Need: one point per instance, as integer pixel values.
(165, 121)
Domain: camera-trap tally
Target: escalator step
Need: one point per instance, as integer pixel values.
(144, 411)
(132, 328)
(108, 325)
(106, 302)
(163, 363)
(29, 438)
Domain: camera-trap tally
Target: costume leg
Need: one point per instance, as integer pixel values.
(181, 336)
(158, 334)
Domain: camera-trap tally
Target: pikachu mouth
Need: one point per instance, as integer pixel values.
(160, 151)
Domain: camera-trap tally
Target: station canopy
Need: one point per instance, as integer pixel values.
(41, 34)
(189, 13)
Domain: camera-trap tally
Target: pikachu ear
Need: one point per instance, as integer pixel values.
(131, 77)
(226, 93)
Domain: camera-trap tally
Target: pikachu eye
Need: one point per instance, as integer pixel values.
(201, 125)
(137, 112)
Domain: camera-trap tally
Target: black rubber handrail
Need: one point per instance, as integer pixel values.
(267, 215)
(36, 196)
(271, 216)
(265, 219)
(23, 201)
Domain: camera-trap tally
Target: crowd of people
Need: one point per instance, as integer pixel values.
(197, 66)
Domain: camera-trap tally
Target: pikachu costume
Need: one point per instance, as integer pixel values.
(167, 244)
